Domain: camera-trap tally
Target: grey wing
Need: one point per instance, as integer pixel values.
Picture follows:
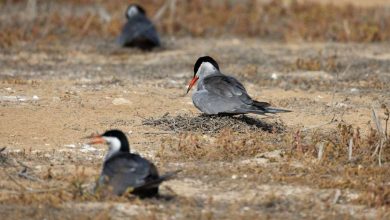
(137, 27)
(224, 94)
(124, 172)
(226, 87)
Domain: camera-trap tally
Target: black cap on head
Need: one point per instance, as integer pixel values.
(204, 59)
(121, 136)
(139, 8)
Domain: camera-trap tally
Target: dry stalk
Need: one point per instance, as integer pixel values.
(336, 196)
(161, 12)
(382, 136)
(87, 24)
(172, 16)
(380, 152)
(350, 146)
(23, 173)
(31, 9)
(320, 151)
(387, 113)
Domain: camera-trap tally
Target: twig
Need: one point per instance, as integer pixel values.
(320, 151)
(21, 163)
(143, 142)
(23, 173)
(336, 196)
(161, 12)
(376, 150)
(31, 9)
(380, 152)
(387, 113)
(160, 132)
(377, 122)
(87, 24)
(350, 149)
(382, 136)
(172, 16)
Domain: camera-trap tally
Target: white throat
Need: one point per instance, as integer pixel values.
(206, 69)
(132, 11)
(114, 146)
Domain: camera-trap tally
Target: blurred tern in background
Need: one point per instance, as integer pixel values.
(139, 30)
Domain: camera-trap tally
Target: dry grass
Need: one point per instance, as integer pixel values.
(337, 168)
(53, 185)
(276, 20)
(350, 166)
(226, 146)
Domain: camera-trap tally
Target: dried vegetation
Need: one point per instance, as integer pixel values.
(49, 21)
(212, 124)
(339, 157)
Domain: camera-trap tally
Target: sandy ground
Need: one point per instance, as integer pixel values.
(359, 2)
(52, 96)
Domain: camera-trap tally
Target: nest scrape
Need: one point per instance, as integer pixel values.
(212, 124)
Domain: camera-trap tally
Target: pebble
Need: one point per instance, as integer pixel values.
(87, 148)
(274, 76)
(354, 90)
(70, 145)
(120, 101)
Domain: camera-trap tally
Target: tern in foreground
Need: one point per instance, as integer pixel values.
(139, 30)
(221, 94)
(124, 172)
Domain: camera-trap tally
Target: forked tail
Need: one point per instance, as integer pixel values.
(156, 182)
(275, 110)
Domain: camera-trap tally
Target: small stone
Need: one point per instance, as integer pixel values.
(120, 101)
(354, 90)
(246, 208)
(87, 148)
(70, 145)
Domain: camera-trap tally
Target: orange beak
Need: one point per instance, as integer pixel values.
(192, 83)
(97, 140)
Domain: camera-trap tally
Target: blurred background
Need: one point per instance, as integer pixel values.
(276, 20)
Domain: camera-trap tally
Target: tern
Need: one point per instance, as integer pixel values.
(139, 30)
(219, 94)
(125, 172)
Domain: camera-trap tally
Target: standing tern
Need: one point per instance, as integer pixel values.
(139, 30)
(221, 94)
(125, 172)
